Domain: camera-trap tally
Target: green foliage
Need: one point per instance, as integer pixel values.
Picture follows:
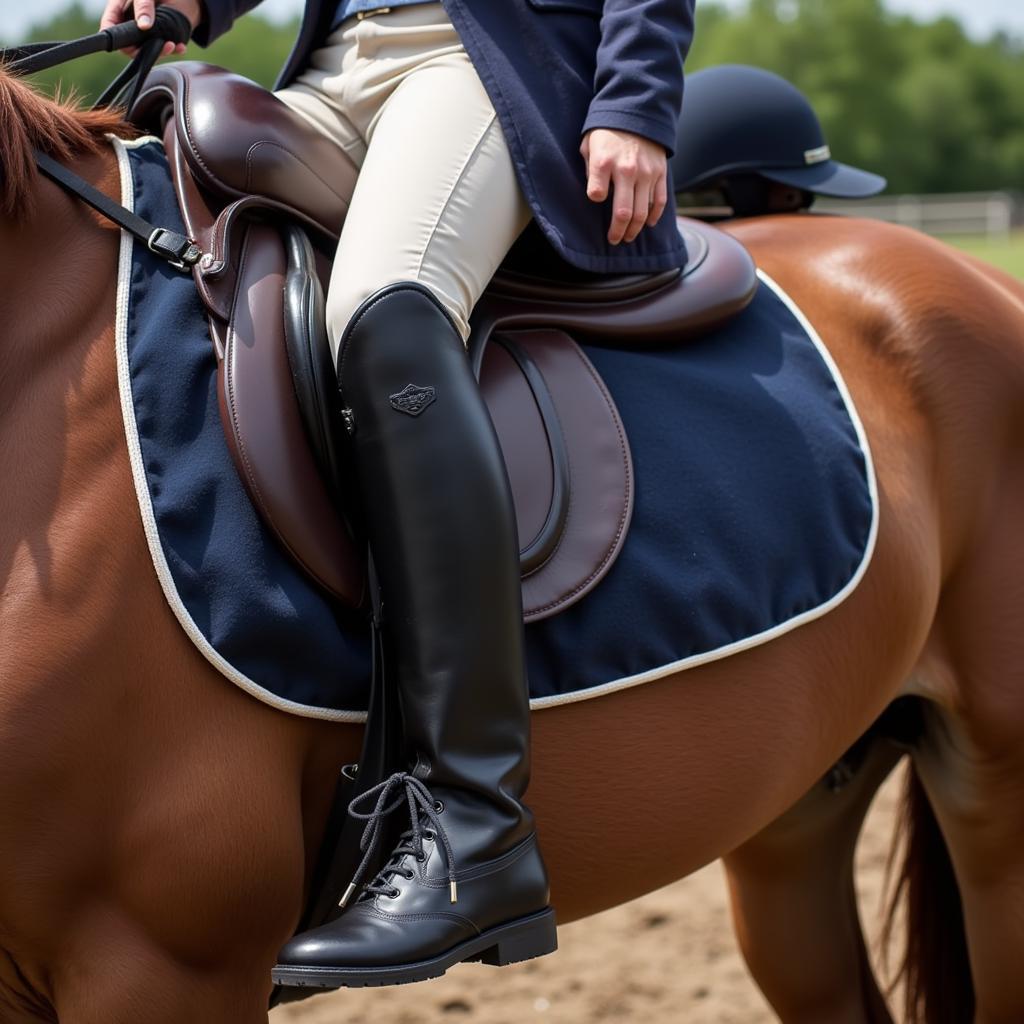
(922, 103)
(254, 48)
(919, 102)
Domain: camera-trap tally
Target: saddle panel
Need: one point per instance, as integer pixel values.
(572, 479)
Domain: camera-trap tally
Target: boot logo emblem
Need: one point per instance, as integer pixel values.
(413, 399)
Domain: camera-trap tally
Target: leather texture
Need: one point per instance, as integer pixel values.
(241, 140)
(224, 135)
(569, 461)
(442, 533)
(419, 921)
(265, 431)
(556, 422)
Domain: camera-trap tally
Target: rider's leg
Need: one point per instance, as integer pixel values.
(437, 200)
(434, 211)
(794, 904)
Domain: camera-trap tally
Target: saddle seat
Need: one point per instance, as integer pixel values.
(255, 184)
(243, 145)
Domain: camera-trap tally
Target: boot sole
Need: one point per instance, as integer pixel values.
(524, 939)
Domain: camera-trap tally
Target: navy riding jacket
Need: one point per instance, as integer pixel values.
(554, 69)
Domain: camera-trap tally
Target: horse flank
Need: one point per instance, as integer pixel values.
(58, 127)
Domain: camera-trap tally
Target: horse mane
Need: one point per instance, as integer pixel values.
(58, 127)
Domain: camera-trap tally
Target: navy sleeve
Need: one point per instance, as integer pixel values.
(638, 85)
(220, 16)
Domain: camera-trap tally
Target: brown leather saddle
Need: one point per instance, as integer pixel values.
(265, 196)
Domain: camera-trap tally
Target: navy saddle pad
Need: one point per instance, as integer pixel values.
(755, 507)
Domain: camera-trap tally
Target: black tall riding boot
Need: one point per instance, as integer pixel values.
(466, 881)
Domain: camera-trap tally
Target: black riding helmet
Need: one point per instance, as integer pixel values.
(742, 126)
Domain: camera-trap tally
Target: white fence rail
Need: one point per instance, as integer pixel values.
(971, 213)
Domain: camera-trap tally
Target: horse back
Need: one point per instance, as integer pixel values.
(931, 343)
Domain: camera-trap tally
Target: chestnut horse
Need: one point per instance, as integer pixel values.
(158, 824)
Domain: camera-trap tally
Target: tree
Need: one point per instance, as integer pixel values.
(921, 103)
(254, 48)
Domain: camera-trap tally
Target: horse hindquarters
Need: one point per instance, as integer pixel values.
(794, 902)
(971, 767)
(970, 760)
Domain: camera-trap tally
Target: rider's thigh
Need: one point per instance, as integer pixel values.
(326, 115)
(437, 200)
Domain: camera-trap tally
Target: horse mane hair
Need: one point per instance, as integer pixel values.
(58, 127)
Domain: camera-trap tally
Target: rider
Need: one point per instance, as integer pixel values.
(467, 118)
(754, 137)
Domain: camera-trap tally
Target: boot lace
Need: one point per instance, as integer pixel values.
(400, 789)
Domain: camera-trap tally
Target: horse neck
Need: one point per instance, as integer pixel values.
(58, 265)
(58, 269)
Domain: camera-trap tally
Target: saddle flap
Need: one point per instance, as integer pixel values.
(557, 425)
(264, 428)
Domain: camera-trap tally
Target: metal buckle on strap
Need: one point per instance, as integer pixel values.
(360, 15)
(180, 252)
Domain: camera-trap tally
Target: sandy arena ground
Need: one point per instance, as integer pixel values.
(667, 957)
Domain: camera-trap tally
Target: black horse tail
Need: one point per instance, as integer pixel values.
(935, 969)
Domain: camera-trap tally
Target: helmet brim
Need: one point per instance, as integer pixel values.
(831, 178)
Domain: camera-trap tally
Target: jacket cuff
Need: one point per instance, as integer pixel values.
(600, 116)
(219, 17)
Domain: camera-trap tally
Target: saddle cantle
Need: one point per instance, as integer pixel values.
(253, 180)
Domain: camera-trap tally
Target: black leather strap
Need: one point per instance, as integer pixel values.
(177, 249)
(169, 26)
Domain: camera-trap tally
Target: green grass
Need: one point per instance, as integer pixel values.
(1008, 256)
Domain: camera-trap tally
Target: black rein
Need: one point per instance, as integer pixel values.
(170, 26)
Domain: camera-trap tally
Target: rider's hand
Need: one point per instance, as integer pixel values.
(637, 170)
(144, 10)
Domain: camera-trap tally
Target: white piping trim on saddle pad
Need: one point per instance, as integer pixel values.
(177, 606)
(163, 571)
(799, 620)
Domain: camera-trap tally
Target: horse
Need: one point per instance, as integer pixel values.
(160, 825)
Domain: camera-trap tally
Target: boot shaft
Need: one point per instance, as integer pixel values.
(440, 521)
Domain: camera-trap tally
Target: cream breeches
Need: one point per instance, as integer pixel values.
(436, 200)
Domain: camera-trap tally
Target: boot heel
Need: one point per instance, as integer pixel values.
(535, 936)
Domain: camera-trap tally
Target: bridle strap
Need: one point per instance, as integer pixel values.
(125, 88)
(170, 26)
(177, 249)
